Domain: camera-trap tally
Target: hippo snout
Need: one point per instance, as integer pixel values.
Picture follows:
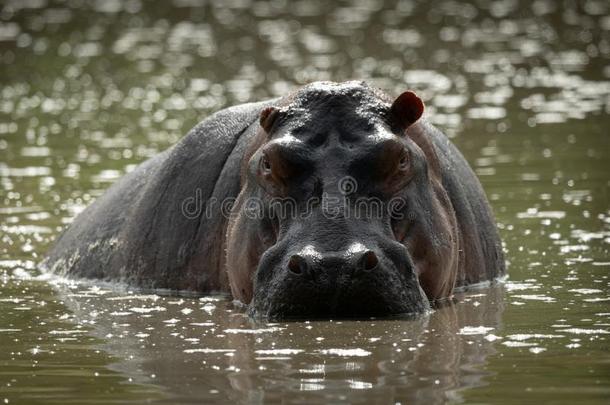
(320, 268)
(355, 282)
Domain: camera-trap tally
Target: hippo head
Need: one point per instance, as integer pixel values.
(331, 188)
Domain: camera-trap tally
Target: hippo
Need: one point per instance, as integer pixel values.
(335, 201)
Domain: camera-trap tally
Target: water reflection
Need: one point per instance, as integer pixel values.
(206, 349)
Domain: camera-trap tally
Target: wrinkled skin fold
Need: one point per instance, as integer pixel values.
(334, 201)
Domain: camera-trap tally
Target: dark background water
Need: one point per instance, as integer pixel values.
(88, 89)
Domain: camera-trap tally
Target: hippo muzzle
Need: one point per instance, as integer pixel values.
(356, 282)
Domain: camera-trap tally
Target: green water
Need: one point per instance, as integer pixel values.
(91, 88)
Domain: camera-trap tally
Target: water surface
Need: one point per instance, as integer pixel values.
(89, 89)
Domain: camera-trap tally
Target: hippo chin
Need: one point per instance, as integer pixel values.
(335, 201)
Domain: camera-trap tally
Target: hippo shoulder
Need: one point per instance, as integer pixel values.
(153, 228)
(481, 246)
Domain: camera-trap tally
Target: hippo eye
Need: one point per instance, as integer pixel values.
(403, 163)
(265, 164)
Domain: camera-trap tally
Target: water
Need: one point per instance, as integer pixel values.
(90, 89)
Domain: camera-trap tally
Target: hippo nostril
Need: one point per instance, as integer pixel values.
(297, 264)
(369, 260)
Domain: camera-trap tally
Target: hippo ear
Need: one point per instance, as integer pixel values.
(406, 109)
(268, 117)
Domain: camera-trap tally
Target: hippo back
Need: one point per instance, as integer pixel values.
(139, 232)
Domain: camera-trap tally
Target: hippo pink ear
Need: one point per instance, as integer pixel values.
(268, 117)
(406, 109)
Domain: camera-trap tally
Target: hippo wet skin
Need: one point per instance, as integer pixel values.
(334, 201)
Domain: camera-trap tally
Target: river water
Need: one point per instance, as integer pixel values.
(91, 88)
